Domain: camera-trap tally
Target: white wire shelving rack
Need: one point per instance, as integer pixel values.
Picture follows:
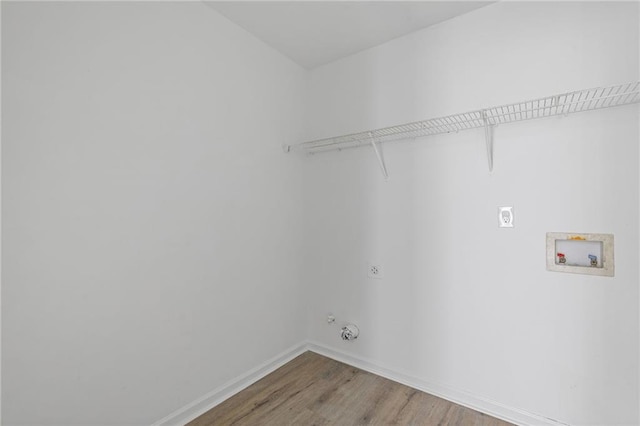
(549, 106)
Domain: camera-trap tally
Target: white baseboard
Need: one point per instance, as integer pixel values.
(475, 402)
(203, 404)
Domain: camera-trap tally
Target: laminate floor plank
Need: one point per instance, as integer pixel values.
(266, 395)
(312, 390)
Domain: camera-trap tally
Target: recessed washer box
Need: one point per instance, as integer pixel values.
(590, 254)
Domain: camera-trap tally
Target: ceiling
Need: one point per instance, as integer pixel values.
(314, 33)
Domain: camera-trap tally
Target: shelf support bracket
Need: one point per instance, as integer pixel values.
(383, 167)
(488, 135)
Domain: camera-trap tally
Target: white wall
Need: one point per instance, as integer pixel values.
(463, 303)
(150, 218)
(152, 228)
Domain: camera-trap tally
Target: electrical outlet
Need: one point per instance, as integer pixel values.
(505, 217)
(374, 270)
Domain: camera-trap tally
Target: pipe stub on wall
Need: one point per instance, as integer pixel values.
(349, 332)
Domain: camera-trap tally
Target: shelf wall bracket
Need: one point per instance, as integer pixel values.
(383, 167)
(488, 135)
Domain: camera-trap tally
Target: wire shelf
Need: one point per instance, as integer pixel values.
(562, 104)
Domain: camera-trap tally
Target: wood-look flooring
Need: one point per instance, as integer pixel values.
(315, 390)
